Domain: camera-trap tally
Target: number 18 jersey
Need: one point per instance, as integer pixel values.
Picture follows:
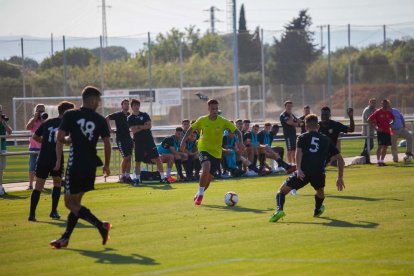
(84, 126)
(317, 150)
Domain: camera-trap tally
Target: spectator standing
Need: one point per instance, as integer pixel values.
(4, 129)
(306, 111)
(367, 130)
(34, 123)
(289, 123)
(399, 130)
(381, 120)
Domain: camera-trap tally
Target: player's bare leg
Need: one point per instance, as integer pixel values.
(204, 182)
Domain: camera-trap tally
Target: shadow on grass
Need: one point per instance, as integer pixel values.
(359, 198)
(237, 209)
(14, 197)
(155, 186)
(339, 223)
(62, 223)
(107, 256)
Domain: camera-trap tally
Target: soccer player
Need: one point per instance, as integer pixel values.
(4, 128)
(47, 163)
(123, 139)
(84, 127)
(34, 146)
(332, 128)
(212, 127)
(313, 151)
(145, 148)
(381, 120)
(289, 123)
(306, 111)
(170, 147)
(367, 130)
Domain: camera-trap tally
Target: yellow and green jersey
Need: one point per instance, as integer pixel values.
(211, 134)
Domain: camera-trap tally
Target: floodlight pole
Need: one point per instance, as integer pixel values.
(23, 79)
(180, 55)
(150, 71)
(349, 67)
(263, 76)
(65, 84)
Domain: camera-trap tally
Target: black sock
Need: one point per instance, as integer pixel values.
(239, 164)
(179, 168)
(85, 213)
(188, 167)
(262, 159)
(197, 166)
(254, 160)
(282, 164)
(70, 225)
(318, 202)
(34, 200)
(55, 198)
(280, 201)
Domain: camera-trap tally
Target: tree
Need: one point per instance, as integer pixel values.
(294, 52)
(249, 46)
(8, 70)
(74, 56)
(28, 62)
(111, 53)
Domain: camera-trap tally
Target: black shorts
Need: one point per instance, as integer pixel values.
(144, 153)
(290, 142)
(80, 179)
(43, 170)
(384, 139)
(317, 181)
(125, 146)
(214, 162)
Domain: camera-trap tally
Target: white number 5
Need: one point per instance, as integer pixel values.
(314, 142)
(87, 128)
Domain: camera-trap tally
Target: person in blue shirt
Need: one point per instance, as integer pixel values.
(399, 130)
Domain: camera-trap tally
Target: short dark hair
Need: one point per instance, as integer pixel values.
(89, 92)
(267, 124)
(65, 105)
(124, 100)
(256, 125)
(247, 121)
(239, 120)
(306, 106)
(326, 109)
(179, 129)
(311, 120)
(135, 101)
(212, 101)
(185, 121)
(287, 102)
(386, 101)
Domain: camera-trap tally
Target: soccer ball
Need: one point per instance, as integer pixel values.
(231, 198)
(407, 159)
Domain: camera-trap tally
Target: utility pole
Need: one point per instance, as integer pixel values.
(212, 19)
(23, 79)
(321, 43)
(329, 67)
(236, 62)
(229, 16)
(349, 67)
(104, 29)
(385, 36)
(51, 44)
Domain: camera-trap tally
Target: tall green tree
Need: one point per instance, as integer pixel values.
(294, 52)
(249, 46)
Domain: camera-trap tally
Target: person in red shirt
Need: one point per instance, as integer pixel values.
(381, 120)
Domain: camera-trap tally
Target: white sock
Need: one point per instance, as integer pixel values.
(169, 171)
(272, 163)
(201, 191)
(162, 174)
(138, 176)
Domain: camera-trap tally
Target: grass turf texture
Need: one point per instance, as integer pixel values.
(17, 166)
(366, 229)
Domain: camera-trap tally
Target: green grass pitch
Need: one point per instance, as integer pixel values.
(366, 230)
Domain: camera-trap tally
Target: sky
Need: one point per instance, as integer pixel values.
(83, 18)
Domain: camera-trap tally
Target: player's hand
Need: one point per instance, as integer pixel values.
(350, 112)
(106, 172)
(242, 147)
(182, 147)
(57, 166)
(340, 184)
(301, 174)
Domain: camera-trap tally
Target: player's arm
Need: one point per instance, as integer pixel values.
(37, 138)
(59, 151)
(298, 156)
(108, 121)
(6, 126)
(350, 113)
(184, 140)
(341, 164)
(241, 145)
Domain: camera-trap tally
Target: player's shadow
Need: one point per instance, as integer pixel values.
(155, 186)
(362, 198)
(340, 223)
(8, 196)
(236, 209)
(62, 223)
(108, 256)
